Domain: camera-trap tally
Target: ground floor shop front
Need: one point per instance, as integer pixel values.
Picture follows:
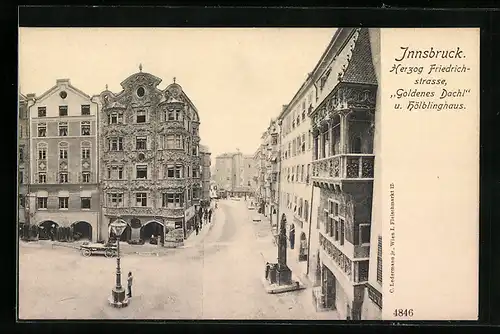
(61, 226)
(339, 292)
(141, 229)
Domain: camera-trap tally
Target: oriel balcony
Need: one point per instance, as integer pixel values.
(344, 167)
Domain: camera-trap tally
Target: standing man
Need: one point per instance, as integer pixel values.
(209, 215)
(129, 284)
(292, 237)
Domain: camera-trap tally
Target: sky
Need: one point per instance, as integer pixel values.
(238, 79)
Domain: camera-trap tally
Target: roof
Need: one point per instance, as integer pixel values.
(142, 76)
(360, 69)
(56, 86)
(309, 81)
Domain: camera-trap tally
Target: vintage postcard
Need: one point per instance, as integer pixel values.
(270, 173)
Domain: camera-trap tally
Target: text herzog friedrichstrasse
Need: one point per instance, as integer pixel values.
(433, 86)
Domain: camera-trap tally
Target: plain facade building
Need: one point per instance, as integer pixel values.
(206, 166)
(235, 174)
(150, 161)
(271, 156)
(295, 166)
(343, 167)
(63, 160)
(23, 156)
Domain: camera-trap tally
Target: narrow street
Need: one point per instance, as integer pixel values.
(215, 276)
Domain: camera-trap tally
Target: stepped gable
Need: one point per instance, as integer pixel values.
(360, 69)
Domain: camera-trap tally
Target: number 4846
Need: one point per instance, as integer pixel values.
(399, 312)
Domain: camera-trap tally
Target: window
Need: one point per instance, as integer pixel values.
(42, 178)
(195, 172)
(22, 201)
(63, 129)
(336, 226)
(302, 173)
(303, 145)
(42, 111)
(42, 130)
(363, 271)
(140, 143)
(41, 202)
(174, 171)
(141, 171)
(379, 260)
(174, 142)
(342, 226)
(141, 199)
(116, 144)
(174, 115)
(20, 177)
(85, 153)
(115, 118)
(21, 154)
(115, 172)
(63, 110)
(141, 116)
(364, 233)
(306, 210)
(63, 202)
(85, 128)
(85, 202)
(63, 153)
(115, 200)
(86, 177)
(172, 200)
(63, 177)
(85, 110)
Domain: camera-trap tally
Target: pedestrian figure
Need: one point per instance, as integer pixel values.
(129, 284)
(210, 215)
(206, 215)
(292, 237)
(196, 228)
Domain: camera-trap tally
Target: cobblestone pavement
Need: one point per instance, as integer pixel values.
(216, 275)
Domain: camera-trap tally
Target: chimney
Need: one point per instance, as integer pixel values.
(62, 82)
(284, 107)
(30, 96)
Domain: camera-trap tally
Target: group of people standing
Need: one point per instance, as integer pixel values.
(204, 217)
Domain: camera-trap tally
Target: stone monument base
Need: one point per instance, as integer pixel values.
(118, 299)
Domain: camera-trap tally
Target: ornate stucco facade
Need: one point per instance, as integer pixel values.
(149, 159)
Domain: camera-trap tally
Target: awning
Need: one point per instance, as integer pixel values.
(42, 193)
(85, 193)
(63, 193)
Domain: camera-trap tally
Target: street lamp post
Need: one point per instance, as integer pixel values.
(118, 298)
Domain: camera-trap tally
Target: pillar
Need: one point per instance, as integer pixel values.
(330, 136)
(344, 133)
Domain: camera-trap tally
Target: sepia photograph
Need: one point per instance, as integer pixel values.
(222, 173)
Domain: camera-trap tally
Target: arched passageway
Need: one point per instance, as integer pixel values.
(47, 230)
(82, 230)
(151, 230)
